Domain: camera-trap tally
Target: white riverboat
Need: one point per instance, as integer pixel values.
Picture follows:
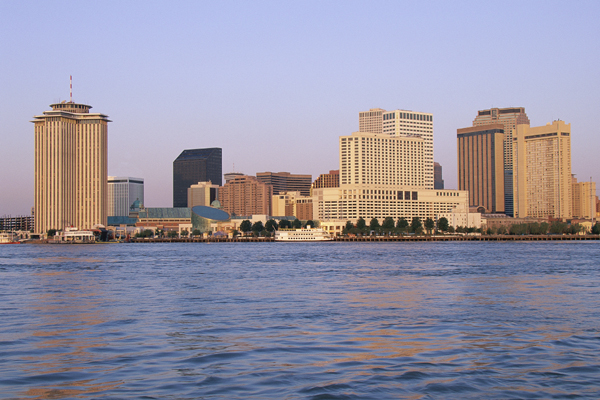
(74, 235)
(9, 238)
(307, 234)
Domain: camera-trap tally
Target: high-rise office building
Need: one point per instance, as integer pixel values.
(509, 118)
(481, 166)
(368, 158)
(193, 166)
(286, 182)
(584, 199)
(438, 180)
(245, 196)
(382, 176)
(122, 192)
(542, 171)
(71, 158)
(403, 123)
(202, 194)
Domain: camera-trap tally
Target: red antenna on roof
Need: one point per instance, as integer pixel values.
(71, 88)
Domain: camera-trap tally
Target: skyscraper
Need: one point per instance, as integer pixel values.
(122, 192)
(481, 166)
(510, 118)
(286, 182)
(542, 171)
(71, 158)
(403, 123)
(193, 166)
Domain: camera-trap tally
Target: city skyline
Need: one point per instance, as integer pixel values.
(286, 82)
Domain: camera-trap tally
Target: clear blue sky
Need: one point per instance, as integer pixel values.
(276, 83)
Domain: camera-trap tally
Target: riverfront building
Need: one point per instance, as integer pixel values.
(71, 158)
(542, 171)
(286, 182)
(202, 194)
(403, 123)
(193, 166)
(509, 118)
(584, 199)
(292, 204)
(246, 195)
(122, 193)
(381, 176)
(481, 166)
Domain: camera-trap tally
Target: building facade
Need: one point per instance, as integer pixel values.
(17, 223)
(286, 182)
(332, 179)
(193, 166)
(246, 195)
(542, 171)
(481, 166)
(509, 118)
(584, 199)
(292, 204)
(71, 167)
(404, 123)
(382, 176)
(122, 192)
(202, 194)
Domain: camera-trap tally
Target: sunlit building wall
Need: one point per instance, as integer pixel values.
(71, 167)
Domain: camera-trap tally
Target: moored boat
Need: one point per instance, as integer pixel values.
(307, 234)
(9, 238)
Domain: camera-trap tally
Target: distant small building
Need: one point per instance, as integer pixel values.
(438, 182)
(202, 194)
(293, 204)
(122, 192)
(246, 195)
(286, 182)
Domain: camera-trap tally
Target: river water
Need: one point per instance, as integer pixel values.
(300, 320)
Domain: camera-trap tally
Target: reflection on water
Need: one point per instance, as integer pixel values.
(366, 320)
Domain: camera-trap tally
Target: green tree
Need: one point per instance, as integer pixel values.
(196, 232)
(271, 225)
(51, 232)
(442, 224)
(258, 226)
(388, 223)
(184, 233)
(348, 227)
(429, 225)
(596, 229)
(415, 225)
(558, 227)
(172, 234)
(235, 233)
(502, 230)
(374, 224)
(296, 224)
(451, 229)
(361, 223)
(310, 223)
(284, 224)
(246, 226)
(402, 224)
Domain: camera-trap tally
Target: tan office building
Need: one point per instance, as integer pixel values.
(202, 194)
(71, 159)
(292, 204)
(403, 123)
(245, 196)
(381, 159)
(542, 171)
(584, 199)
(382, 176)
(481, 166)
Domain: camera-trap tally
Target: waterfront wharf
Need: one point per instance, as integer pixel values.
(399, 238)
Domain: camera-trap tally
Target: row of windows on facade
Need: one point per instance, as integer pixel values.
(409, 116)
